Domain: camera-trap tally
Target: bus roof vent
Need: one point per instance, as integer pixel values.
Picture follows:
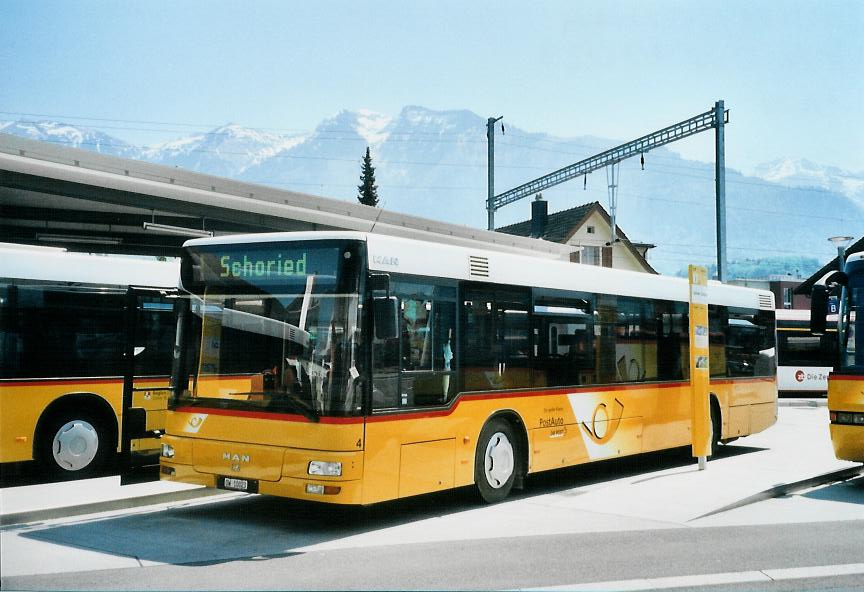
(478, 266)
(766, 302)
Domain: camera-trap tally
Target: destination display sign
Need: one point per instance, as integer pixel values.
(266, 265)
(246, 268)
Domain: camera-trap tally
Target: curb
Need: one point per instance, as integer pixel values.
(787, 488)
(107, 506)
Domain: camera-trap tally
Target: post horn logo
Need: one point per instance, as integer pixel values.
(603, 425)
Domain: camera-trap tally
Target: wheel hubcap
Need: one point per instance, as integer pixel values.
(75, 445)
(499, 461)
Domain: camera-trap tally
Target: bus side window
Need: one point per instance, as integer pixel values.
(69, 333)
(717, 321)
(155, 338)
(636, 341)
(673, 349)
(418, 368)
(497, 338)
(10, 333)
(385, 373)
(750, 343)
(564, 339)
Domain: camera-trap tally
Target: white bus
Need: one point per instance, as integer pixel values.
(804, 360)
(62, 340)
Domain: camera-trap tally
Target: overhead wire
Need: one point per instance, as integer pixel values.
(330, 135)
(440, 137)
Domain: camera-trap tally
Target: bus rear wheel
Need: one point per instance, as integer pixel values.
(73, 445)
(716, 427)
(495, 461)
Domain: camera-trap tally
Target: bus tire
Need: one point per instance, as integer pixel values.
(716, 427)
(74, 444)
(496, 461)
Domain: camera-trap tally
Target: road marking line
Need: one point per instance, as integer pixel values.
(797, 573)
(740, 577)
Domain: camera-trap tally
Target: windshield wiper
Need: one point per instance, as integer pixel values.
(286, 401)
(305, 409)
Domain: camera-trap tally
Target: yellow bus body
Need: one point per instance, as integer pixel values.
(395, 455)
(24, 402)
(846, 394)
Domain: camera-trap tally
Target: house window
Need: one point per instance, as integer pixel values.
(591, 255)
(590, 230)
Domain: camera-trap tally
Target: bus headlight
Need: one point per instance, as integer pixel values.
(167, 450)
(328, 469)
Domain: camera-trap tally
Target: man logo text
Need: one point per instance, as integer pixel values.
(236, 459)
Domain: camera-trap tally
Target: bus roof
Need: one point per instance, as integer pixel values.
(59, 266)
(523, 268)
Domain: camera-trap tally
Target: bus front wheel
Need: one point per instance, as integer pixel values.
(495, 461)
(73, 445)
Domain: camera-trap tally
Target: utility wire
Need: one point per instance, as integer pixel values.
(669, 170)
(459, 138)
(466, 165)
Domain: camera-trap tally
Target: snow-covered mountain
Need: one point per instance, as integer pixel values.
(226, 151)
(72, 136)
(433, 163)
(804, 173)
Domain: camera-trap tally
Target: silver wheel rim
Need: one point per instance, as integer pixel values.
(499, 460)
(75, 445)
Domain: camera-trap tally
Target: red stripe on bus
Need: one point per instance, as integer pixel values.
(262, 415)
(418, 414)
(421, 414)
(104, 380)
(737, 380)
(833, 376)
(60, 381)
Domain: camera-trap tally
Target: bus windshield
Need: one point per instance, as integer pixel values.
(270, 327)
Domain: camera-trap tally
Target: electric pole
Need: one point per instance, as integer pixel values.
(720, 188)
(715, 118)
(490, 160)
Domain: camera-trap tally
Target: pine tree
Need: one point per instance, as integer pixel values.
(368, 191)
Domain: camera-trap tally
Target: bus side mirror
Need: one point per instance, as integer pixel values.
(818, 309)
(385, 310)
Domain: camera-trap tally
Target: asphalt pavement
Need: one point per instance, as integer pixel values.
(773, 478)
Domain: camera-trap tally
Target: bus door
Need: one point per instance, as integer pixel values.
(147, 358)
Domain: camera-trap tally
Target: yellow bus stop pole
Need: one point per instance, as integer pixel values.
(699, 371)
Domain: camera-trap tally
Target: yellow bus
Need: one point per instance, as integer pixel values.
(355, 368)
(846, 382)
(62, 334)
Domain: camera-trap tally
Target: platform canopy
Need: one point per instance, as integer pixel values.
(84, 201)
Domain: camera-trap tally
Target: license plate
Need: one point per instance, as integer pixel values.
(246, 485)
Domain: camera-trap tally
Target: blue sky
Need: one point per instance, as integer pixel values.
(791, 72)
